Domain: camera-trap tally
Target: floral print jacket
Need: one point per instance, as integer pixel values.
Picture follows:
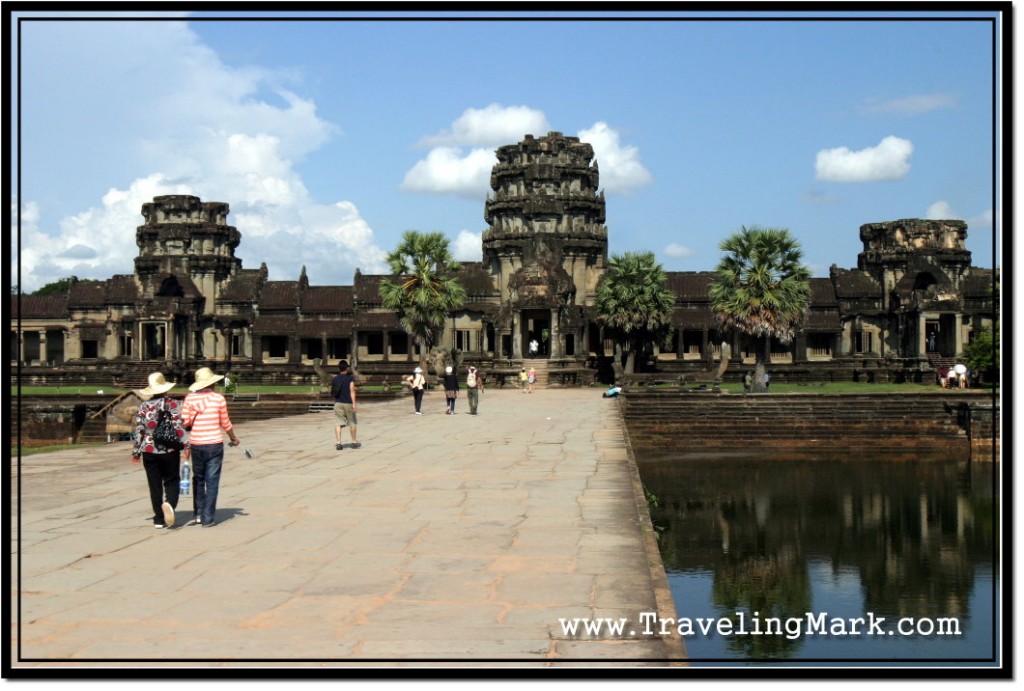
(146, 420)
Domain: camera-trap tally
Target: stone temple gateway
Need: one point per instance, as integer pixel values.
(912, 303)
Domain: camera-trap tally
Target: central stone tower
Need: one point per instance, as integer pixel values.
(547, 245)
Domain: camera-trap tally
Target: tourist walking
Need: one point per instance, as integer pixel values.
(416, 382)
(522, 379)
(767, 380)
(451, 389)
(534, 347)
(748, 382)
(474, 387)
(160, 457)
(531, 379)
(206, 414)
(343, 390)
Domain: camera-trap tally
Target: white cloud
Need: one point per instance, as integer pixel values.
(911, 105)
(887, 161)
(941, 210)
(492, 126)
(677, 251)
(467, 246)
(461, 158)
(621, 170)
(210, 130)
(446, 170)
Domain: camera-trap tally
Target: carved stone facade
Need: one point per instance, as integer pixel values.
(913, 298)
(547, 246)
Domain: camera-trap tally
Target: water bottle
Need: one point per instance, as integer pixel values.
(186, 473)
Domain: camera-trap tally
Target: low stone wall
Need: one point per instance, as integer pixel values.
(961, 423)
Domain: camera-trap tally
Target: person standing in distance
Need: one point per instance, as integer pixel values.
(343, 389)
(416, 383)
(207, 413)
(474, 387)
(451, 389)
(161, 463)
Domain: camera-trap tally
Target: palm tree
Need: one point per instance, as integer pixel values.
(423, 287)
(760, 288)
(633, 299)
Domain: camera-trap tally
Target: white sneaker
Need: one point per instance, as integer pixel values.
(168, 514)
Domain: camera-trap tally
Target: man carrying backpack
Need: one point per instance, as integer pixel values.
(474, 385)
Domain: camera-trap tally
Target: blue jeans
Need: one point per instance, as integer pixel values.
(206, 465)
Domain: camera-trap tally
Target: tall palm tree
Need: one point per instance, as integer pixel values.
(423, 287)
(633, 299)
(760, 288)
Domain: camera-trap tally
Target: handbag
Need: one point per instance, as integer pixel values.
(165, 435)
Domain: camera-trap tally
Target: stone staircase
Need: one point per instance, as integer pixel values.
(136, 374)
(542, 368)
(709, 421)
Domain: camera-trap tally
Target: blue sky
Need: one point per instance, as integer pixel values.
(330, 138)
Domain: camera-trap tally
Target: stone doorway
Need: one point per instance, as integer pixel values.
(537, 326)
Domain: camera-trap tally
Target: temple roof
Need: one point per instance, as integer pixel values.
(244, 286)
(330, 299)
(275, 324)
(279, 295)
(854, 283)
(367, 288)
(53, 306)
(823, 293)
(87, 294)
(371, 321)
(690, 286)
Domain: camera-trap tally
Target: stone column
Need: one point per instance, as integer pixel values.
(958, 331)
(921, 340)
(556, 348)
(517, 336)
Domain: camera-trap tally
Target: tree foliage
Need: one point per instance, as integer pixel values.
(59, 286)
(760, 286)
(633, 300)
(423, 287)
(982, 353)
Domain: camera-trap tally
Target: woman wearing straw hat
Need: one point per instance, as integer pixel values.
(208, 413)
(160, 462)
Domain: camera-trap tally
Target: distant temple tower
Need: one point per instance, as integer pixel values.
(186, 252)
(184, 237)
(547, 245)
(921, 266)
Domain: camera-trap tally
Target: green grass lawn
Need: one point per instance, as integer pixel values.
(33, 450)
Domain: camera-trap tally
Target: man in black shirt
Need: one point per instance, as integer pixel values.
(343, 389)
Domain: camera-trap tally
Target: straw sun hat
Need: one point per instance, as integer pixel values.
(204, 378)
(157, 385)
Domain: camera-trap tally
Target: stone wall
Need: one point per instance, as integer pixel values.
(697, 423)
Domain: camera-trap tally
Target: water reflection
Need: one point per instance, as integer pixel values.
(846, 536)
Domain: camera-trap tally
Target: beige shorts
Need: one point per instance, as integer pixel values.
(345, 414)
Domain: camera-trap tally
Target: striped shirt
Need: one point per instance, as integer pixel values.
(211, 415)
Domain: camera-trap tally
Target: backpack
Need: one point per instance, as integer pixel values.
(165, 436)
(471, 380)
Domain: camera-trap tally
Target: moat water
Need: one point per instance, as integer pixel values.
(858, 550)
